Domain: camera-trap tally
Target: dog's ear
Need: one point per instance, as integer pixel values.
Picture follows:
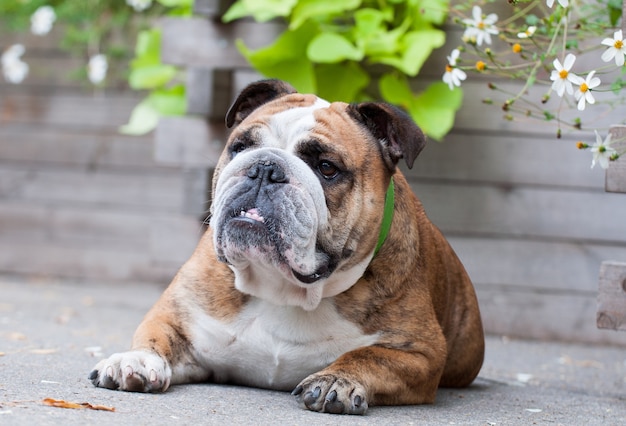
(398, 135)
(253, 96)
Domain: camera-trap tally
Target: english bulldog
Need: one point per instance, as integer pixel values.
(319, 272)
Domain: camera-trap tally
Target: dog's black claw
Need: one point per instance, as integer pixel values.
(297, 391)
(357, 401)
(310, 398)
(331, 404)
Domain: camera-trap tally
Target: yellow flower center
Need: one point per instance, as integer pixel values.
(480, 66)
(517, 48)
(563, 74)
(602, 148)
(448, 68)
(618, 44)
(584, 87)
(481, 25)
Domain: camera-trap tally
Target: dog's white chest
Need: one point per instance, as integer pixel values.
(274, 346)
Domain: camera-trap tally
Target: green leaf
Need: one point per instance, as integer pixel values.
(532, 20)
(145, 116)
(341, 82)
(236, 11)
(286, 58)
(434, 109)
(332, 48)
(260, 10)
(307, 9)
(170, 101)
(416, 48)
(151, 77)
(434, 11)
(143, 119)
(368, 22)
(147, 48)
(176, 3)
(615, 11)
(395, 90)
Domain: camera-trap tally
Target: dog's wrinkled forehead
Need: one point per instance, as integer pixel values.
(283, 128)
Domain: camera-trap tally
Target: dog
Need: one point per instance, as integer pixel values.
(319, 271)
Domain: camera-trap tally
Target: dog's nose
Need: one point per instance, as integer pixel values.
(268, 171)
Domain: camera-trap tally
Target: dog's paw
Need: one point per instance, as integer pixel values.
(135, 371)
(328, 393)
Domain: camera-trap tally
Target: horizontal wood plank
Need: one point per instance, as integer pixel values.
(189, 142)
(529, 314)
(75, 109)
(470, 209)
(203, 43)
(541, 266)
(42, 145)
(612, 296)
(146, 191)
(507, 160)
(82, 227)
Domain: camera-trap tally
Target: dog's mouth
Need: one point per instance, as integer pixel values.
(251, 216)
(253, 220)
(323, 271)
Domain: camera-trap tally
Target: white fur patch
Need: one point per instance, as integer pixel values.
(273, 346)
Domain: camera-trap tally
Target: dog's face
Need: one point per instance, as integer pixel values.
(299, 191)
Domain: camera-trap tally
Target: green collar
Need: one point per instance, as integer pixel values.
(390, 199)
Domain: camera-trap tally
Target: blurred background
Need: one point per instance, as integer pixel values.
(89, 195)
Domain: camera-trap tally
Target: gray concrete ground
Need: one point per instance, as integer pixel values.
(53, 332)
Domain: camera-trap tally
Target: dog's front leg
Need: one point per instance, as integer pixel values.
(159, 356)
(372, 375)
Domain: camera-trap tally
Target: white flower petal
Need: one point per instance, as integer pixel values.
(608, 54)
(477, 14)
(569, 61)
(608, 42)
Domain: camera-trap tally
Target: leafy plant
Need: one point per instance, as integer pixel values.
(354, 50)
(103, 28)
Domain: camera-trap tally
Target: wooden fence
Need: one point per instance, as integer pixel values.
(526, 214)
(78, 199)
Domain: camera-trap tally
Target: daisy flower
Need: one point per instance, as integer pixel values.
(602, 151)
(453, 76)
(139, 5)
(14, 69)
(617, 49)
(563, 3)
(583, 94)
(528, 33)
(561, 77)
(479, 27)
(97, 68)
(42, 19)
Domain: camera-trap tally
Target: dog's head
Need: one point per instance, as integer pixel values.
(299, 190)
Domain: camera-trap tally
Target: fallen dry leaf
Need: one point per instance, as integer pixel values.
(75, 405)
(43, 351)
(16, 336)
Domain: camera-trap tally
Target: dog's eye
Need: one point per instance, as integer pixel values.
(327, 169)
(237, 147)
